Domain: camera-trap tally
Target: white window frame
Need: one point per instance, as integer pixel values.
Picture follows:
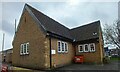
(84, 48)
(66, 48)
(79, 48)
(24, 48)
(90, 47)
(60, 46)
(27, 48)
(21, 49)
(63, 49)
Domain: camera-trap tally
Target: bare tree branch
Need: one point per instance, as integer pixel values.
(112, 34)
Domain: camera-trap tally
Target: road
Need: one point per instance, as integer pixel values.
(114, 66)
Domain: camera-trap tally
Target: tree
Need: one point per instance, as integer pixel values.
(111, 34)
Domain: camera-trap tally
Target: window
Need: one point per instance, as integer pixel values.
(66, 47)
(24, 48)
(62, 46)
(21, 49)
(80, 48)
(92, 47)
(59, 46)
(86, 48)
(27, 49)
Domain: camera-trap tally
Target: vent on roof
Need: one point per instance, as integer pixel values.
(47, 33)
(74, 40)
(94, 33)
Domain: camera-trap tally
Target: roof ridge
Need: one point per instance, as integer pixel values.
(95, 22)
(57, 28)
(49, 24)
(45, 15)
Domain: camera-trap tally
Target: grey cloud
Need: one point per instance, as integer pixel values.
(47, 6)
(119, 10)
(80, 14)
(8, 27)
(70, 16)
(11, 10)
(70, 22)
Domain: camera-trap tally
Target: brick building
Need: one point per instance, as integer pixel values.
(42, 43)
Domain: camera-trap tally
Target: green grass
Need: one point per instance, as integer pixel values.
(115, 58)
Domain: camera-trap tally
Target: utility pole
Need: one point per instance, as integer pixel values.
(15, 25)
(3, 42)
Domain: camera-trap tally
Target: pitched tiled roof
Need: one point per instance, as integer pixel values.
(88, 31)
(50, 25)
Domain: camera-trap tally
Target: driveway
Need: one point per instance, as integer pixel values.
(114, 65)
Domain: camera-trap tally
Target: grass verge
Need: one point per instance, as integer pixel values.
(115, 58)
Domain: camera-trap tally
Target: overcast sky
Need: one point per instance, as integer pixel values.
(71, 14)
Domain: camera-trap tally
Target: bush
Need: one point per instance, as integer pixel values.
(106, 60)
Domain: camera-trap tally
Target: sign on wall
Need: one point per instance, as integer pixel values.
(53, 52)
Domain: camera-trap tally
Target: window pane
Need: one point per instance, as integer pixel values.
(59, 46)
(92, 47)
(86, 48)
(66, 47)
(62, 46)
(21, 49)
(27, 48)
(24, 48)
(81, 48)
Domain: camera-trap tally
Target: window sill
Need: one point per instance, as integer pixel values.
(88, 52)
(81, 51)
(24, 54)
(62, 52)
